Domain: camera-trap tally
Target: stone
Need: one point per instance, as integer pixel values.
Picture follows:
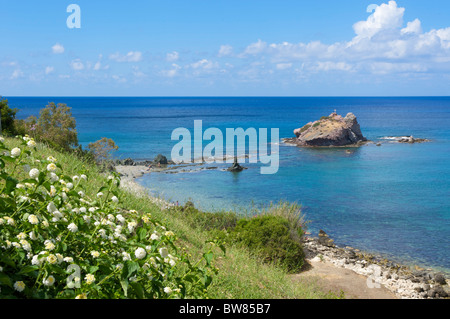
(440, 279)
(128, 162)
(160, 159)
(235, 167)
(332, 130)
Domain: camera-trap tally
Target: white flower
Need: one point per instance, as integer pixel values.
(95, 254)
(33, 219)
(92, 209)
(53, 177)
(35, 260)
(154, 237)
(60, 258)
(68, 259)
(52, 191)
(34, 173)
(25, 245)
(19, 286)
(167, 290)
(73, 228)
(100, 194)
(51, 159)
(69, 185)
(32, 235)
(51, 207)
(51, 167)
(75, 178)
(81, 193)
(126, 256)
(83, 177)
(52, 259)
(89, 279)
(163, 252)
(140, 253)
(87, 219)
(49, 281)
(120, 218)
(49, 245)
(115, 199)
(21, 236)
(131, 226)
(31, 143)
(15, 152)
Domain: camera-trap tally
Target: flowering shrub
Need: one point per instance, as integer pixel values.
(56, 241)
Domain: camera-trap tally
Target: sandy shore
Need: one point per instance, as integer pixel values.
(330, 267)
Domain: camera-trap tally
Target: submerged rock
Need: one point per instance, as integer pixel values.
(332, 130)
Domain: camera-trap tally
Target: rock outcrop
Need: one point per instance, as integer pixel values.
(332, 130)
(236, 167)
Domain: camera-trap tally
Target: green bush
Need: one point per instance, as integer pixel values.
(271, 238)
(8, 116)
(51, 226)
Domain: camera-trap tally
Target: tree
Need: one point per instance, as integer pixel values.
(8, 116)
(102, 149)
(56, 126)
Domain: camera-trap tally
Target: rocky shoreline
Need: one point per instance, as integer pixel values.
(404, 282)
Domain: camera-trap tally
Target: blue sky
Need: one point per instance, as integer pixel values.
(225, 48)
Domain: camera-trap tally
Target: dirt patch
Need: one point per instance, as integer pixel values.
(337, 280)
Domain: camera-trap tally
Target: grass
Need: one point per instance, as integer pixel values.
(241, 275)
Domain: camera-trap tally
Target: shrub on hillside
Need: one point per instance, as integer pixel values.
(8, 116)
(59, 241)
(271, 238)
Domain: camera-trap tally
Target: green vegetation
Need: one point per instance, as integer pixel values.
(8, 116)
(304, 128)
(269, 237)
(65, 233)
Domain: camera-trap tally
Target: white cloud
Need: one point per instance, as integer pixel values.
(172, 72)
(132, 56)
(204, 64)
(255, 48)
(49, 70)
(172, 57)
(333, 66)
(386, 17)
(413, 27)
(138, 73)
(58, 49)
(283, 66)
(380, 42)
(119, 79)
(77, 65)
(225, 50)
(16, 74)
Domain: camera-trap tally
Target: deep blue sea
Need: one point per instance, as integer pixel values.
(393, 199)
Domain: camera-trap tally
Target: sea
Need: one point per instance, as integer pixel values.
(392, 200)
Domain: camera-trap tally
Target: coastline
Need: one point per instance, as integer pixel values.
(357, 273)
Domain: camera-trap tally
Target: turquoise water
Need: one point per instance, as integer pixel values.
(393, 199)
